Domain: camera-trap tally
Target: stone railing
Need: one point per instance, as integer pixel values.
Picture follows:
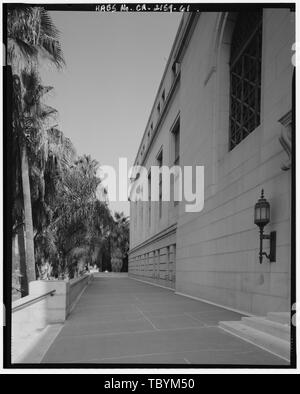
(29, 313)
(75, 289)
(66, 295)
(48, 302)
(29, 317)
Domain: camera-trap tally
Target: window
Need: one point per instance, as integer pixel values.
(176, 141)
(176, 134)
(158, 109)
(245, 76)
(160, 163)
(149, 199)
(151, 126)
(163, 96)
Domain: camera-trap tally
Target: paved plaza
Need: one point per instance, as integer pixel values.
(119, 320)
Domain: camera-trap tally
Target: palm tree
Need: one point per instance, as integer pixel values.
(31, 36)
(58, 156)
(30, 139)
(120, 240)
(81, 221)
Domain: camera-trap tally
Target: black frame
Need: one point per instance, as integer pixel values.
(7, 219)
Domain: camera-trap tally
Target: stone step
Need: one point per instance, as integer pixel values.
(278, 330)
(266, 341)
(280, 317)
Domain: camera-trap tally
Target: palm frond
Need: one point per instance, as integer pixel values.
(19, 51)
(47, 26)
(31, 32)
(51, 50)
(45, 111)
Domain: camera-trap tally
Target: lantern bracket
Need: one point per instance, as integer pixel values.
(272, 238)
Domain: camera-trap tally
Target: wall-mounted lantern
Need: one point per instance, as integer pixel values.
(261, 219)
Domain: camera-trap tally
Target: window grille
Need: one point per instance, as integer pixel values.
(245, 76)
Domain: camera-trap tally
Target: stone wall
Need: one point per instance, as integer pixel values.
(217, 249)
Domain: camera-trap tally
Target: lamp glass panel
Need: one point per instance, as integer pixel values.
(258, 213)
(268, 212)
(263, 213)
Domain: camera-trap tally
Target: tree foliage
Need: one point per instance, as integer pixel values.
(71, 226)
(31, 37)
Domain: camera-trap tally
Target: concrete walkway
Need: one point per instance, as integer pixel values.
(121, 320)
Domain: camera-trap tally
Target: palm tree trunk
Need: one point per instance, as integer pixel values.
(29, 245)
(22, 257)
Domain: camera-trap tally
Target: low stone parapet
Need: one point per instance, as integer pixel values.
(48, 302)
(75, 289)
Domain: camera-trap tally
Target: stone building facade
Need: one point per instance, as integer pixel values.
(224, 102)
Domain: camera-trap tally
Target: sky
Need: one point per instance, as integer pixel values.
(104, 95)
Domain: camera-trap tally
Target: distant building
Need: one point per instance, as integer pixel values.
(224, 102)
